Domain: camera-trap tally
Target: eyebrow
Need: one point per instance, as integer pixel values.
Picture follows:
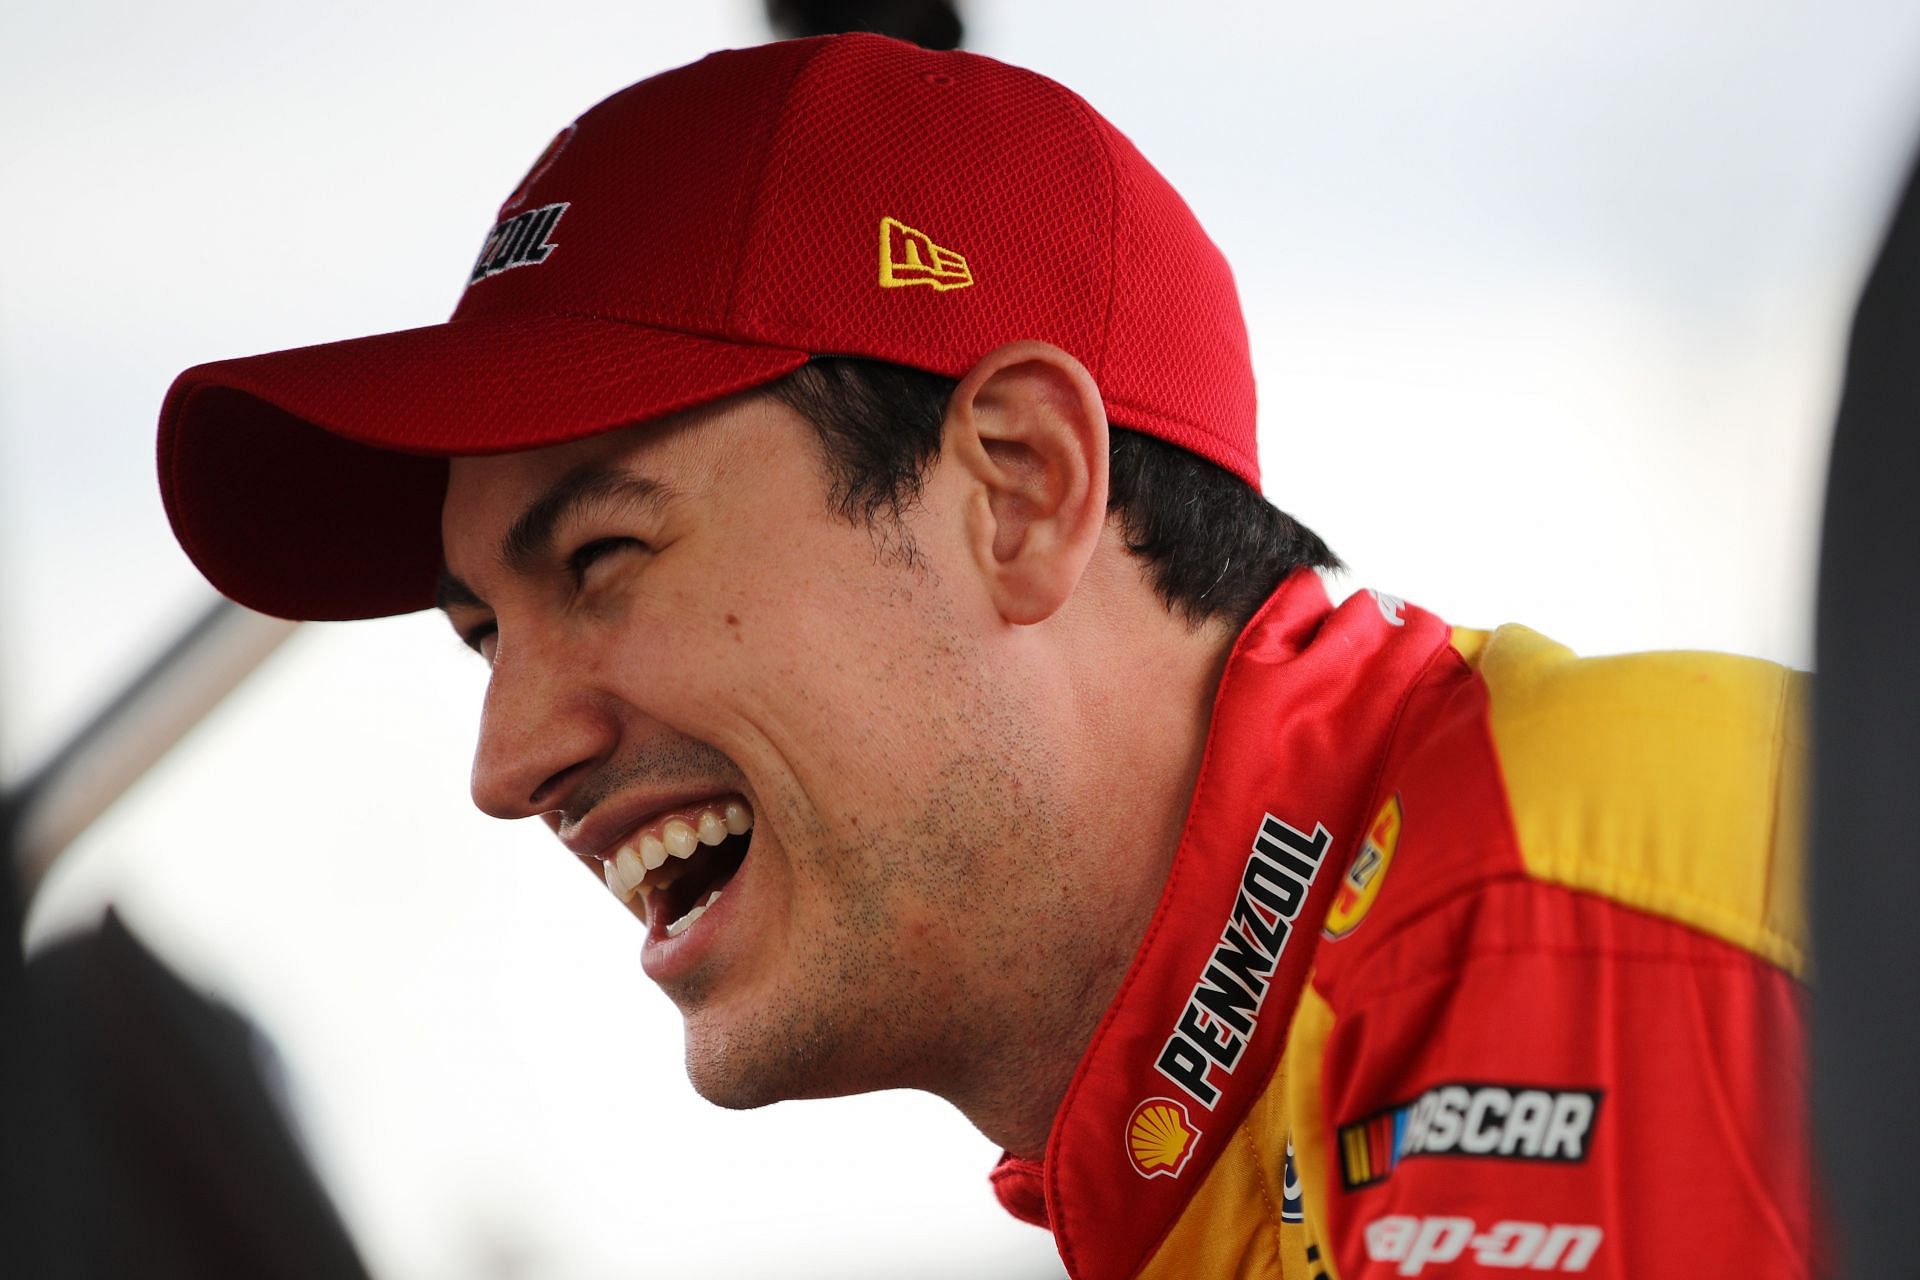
(530, 536)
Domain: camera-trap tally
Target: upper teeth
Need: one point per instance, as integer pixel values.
(653, 847)
(625, 871)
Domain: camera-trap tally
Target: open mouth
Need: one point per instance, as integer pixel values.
(684, 899)
(678, 865)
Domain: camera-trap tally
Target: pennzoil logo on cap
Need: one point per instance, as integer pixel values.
(911, 257)
(520, 241)
(1160, 1138)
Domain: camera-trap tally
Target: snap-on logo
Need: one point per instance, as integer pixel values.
(1413, 1243)
(1220, 1013)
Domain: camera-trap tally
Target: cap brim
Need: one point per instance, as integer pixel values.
(307, 483)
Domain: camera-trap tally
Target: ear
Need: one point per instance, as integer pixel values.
(1029, 434)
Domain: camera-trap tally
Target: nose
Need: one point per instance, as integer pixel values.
(541, 731)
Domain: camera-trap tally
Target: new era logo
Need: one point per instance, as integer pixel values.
(911, 257)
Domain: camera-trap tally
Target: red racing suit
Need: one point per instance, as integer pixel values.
(1475, 958)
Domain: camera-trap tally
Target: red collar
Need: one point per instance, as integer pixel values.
(1301, 721)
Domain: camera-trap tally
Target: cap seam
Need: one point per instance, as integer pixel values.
(1105, 146)
(757, 190)
(1124, 405)
(677, 330)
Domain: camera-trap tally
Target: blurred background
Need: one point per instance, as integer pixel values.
(1548, 303)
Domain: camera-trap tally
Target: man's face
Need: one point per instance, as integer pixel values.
(695, 628)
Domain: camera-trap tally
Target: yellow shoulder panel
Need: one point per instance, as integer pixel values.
(1670, 782)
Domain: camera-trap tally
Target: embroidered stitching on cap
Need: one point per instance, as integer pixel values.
(520, 241)
(911, 257)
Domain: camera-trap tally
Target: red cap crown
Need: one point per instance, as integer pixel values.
(697, 234)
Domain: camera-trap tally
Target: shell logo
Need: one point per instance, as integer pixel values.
(1160, 1138)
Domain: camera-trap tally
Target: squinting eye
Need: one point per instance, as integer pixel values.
(584, 558)
(478, 637)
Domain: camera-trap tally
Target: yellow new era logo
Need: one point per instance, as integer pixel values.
(911, 257)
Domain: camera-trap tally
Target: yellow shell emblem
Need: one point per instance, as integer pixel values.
(1160, 1138)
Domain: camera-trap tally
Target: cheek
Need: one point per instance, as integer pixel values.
(691, 649)
(808, 643)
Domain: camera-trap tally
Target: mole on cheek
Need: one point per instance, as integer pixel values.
(733, 620)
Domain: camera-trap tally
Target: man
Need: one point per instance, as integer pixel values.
(843, 455)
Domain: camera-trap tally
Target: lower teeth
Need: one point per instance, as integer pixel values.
(681, 925)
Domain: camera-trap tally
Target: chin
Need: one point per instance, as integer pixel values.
(732, 1094)
(743, 1071)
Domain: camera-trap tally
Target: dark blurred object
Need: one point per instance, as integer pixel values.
(1866, 864)
(139, 1135)
(931, 24)
(140, 1139)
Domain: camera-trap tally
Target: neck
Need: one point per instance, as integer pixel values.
(1139, 740)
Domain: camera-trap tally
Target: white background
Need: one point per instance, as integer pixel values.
(1548, 303)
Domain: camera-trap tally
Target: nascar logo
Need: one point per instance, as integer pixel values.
(1504, 1121)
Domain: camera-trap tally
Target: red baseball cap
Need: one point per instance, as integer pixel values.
(700, 233)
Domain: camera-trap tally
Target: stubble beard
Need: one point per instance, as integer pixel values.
(857, 1013)
(971, 998)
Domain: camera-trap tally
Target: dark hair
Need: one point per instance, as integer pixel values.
(1214, 547)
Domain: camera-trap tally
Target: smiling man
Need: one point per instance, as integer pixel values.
(843, 457)
(816, 768)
